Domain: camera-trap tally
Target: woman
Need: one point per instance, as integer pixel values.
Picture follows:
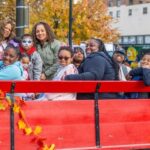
(10, 67)
(48, 47)
(98, 65)
(6, 34)
(65, 57)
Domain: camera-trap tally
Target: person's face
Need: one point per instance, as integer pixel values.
(78, 55)
(119, 58)
(145, 61)
(27, 43)
(7, 30)
(92, 46)
(25, 62)
(41, 34)
(64, 58)
(10, 56)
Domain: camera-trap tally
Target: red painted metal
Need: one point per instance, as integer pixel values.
(70, 124)
(124, 124)
(75, 86)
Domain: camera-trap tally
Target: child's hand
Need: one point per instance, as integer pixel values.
(128, 77)
(43, 77)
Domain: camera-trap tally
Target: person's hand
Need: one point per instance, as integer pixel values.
(128, 77)
(43, 77)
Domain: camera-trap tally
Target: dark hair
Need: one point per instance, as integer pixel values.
(26, 35)
(103, 49)
(16, 49)
(50, 33)
(67, 48)
(24, 55)
(3, 23)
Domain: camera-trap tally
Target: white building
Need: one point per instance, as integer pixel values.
(133, 22)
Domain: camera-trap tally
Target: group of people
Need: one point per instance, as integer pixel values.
(40, 56)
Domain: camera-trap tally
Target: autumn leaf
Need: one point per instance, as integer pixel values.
(19, 101)
(2, 107)
(21, 124)
(16, 108)
(37, 130)
(28, 130)
(52, 147)
(40, 141)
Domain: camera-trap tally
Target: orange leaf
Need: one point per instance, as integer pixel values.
(37, 130)
(52, 147)
(28, 130)
(2, 107)
(19, 101)
(16, 108)
(21, 124)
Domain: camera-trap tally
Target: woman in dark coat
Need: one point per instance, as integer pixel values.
(96, 66)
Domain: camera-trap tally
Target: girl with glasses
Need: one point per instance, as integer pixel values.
(65, 57)
(27, 48)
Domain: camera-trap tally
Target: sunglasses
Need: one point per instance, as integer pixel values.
(65, 58)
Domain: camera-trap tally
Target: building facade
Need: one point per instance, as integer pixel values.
(132, 20)
(112, 3)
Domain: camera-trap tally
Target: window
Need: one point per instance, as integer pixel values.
(145, 10)
(118, 14)
(110, 3)
(132, 40)
(118, 3)
(125, 40)
(147, 39)
(111, 13)
(130, 2)
(130, 12)
(140, 40)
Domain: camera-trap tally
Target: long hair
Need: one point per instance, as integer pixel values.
(2, 26)
(103, 49)
(49, 32)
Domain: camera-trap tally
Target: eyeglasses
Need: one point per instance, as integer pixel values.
(27, 41)
(65, 58)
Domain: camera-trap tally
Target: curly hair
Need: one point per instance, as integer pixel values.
(50, 33)
(2, 26)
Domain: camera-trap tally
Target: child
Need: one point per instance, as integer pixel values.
(27, 47)
(141, 73)
(25, 60)
(65, 56)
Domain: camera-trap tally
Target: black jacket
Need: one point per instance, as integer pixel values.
(97, 66)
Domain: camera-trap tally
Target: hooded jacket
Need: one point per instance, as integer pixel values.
(97, 66)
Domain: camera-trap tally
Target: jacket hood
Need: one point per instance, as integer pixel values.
(102, 54)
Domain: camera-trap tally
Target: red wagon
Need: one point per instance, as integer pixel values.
(83, 124)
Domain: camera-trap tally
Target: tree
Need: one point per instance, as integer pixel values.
(90, 19)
